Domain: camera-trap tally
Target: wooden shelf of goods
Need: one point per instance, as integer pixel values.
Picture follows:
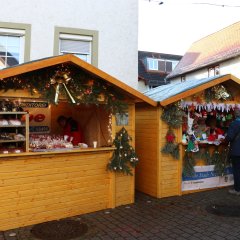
(24, 126)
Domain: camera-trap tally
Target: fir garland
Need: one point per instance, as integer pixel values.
(80, 87)
(173, 115)
(170, 147)
(124, 156)
(208, 94)
(188, 165)
(207, 157)
(220, 162)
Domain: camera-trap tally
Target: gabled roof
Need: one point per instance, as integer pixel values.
(71, 59)
(153, 78)
(213, 49)
(176, 91)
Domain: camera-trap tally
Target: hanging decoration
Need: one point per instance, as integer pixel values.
(218, 92)
(170, 147)
(205, 107)
(124, 156)
(67, 81)
(173, 115)
(188, 165)
(221, 93)
(60, 80)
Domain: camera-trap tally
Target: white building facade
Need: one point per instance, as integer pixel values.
(103, 33)
(230, 66)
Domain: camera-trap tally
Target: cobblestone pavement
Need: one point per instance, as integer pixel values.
(170, 218)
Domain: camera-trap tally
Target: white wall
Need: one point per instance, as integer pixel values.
(142, 87)
(116, 21)
(231, 66)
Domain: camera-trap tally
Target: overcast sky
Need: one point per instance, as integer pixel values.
(174, 25)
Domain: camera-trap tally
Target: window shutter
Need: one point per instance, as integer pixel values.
(75, 46)
(168, 67)
(161, 66)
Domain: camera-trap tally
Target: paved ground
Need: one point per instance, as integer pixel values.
(178, 218)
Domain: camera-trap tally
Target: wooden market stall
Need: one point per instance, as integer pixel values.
(42, 176)
(160, 171)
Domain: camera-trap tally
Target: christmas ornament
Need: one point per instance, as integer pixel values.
(59, 79)
(124, 156)
(220, 92)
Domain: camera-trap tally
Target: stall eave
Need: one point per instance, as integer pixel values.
(190, 92)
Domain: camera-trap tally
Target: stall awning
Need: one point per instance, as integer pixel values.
(71, 59)
(173, 92)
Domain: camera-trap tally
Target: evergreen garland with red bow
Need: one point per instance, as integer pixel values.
(171, 147)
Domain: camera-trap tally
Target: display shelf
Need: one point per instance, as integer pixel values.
(16, 129)
(11, 141)
(13, 126)
(13, 113)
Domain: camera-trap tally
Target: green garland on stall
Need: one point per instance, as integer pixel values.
(76, 85)
(220, 160)
(207, 157)
(171, 147)
(188, 165)
(124, 156)
(173, 115)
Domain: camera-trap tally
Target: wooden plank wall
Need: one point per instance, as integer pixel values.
(125, 185)
(171, 169)
(147, 148)
(39, 188)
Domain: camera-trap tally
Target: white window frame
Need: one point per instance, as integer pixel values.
(152, 64)
(16, 33)
(214, 71)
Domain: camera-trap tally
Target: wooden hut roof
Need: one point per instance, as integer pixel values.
(173, 92)
(71, 59)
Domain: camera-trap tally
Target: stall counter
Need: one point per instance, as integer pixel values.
(56, 152)
(44, 186)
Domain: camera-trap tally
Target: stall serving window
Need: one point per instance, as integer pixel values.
(43, 131)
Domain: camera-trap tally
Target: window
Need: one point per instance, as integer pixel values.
(152, 64)
(11, 47)
(183, 78)
(161, 65)
(80, 42)
(213, 71)
(80, 46)
(15, 41)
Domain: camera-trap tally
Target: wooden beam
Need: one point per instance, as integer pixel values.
(32, 66)
(199, 89)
